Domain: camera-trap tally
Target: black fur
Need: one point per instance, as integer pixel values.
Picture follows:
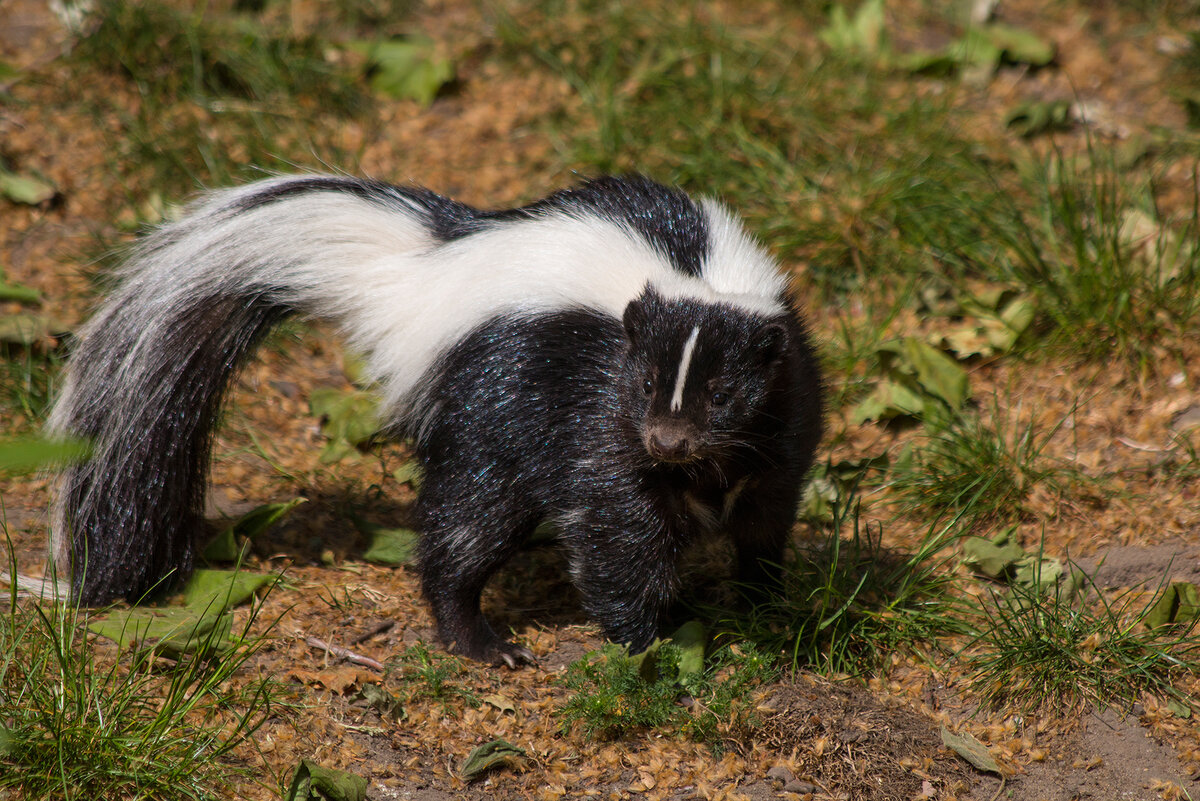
(167, 449)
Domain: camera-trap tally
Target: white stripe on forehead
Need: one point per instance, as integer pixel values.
(685, 361)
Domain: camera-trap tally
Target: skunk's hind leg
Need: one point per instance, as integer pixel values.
(459, 553)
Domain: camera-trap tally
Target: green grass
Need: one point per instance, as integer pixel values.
(612, 697)
(830, 164)
(28, 378)
(862, 173)
(217, 93)
(74, 725)
(979, 466)
(1060, 648)
(1112, 274)
(430, 675)
(847, 602)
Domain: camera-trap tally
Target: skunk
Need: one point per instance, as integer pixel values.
(617, 359)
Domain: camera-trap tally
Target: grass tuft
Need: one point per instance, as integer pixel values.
(847, 604)
(612, 697)
(77, 725)
(430, 675)
(977, 467)
(1058, 648)
(1111, 274)
(206, 57)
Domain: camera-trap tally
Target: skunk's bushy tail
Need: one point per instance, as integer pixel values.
(146, 381)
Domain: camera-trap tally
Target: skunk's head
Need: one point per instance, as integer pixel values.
(699, 376)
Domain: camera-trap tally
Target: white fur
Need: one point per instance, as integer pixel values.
(685, 362)
(401, 297)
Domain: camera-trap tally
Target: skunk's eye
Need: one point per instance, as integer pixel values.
(648, 386)
(720, 398)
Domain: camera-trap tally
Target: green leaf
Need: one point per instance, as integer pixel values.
(383, 702)
(25, 189)
(864, 36)
(410, 473)
(389, 546)
(936, 372)
(1018, 45)
(1038, 117)
(28, 454)
(646, 662)
(491, 755)
(970, 749)
(406, 69)
(1178, 708)
(311, 782)
(348, 419)
(172, 632)
(889, 399)
(1037, 572)
(220, 590)
(1077, 581)
(692, 639)
(915, 373)
(1179, 604)
(993, 558)
(230, 544)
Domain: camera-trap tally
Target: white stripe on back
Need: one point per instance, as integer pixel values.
(685, 361)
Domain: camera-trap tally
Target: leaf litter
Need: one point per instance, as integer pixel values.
(340, 598)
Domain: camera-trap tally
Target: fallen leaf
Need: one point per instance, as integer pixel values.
(311, 782)
(993, 557)
(389, 546)
(491, 755)
(970, 749)
(1179, 603)
(220, 590)
(383, 702)
(406, 69)
(864, 35)
(230, 544)
(26, 189)
(27, 454)
(348, 419)
(501, 702)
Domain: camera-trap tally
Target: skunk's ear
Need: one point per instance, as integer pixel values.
(635, 320)
(637, 315)
(770, 342)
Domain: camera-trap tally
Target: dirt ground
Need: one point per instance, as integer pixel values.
(483, 143)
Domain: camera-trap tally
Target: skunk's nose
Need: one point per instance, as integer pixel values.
(669, 443)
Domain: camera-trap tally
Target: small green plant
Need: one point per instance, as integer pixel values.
(1058, 647)
(847, 603)
(430, 675)
(75, 725)
(614, 695)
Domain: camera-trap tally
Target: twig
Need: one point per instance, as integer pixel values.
(378, 628)
(344, 653)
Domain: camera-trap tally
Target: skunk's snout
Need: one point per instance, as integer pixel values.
(671, 441)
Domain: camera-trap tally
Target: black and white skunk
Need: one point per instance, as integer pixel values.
(616, 359)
